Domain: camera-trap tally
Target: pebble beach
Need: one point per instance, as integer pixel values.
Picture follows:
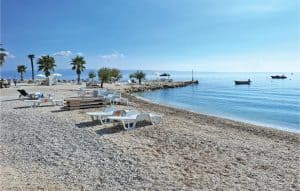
(46, 148)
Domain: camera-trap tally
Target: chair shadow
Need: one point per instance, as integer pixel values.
(87, 124)
(118, 128)
(10, 100)
(60, 110)
(23, 107)
(103, 131)
(109, 130)
(71, 90)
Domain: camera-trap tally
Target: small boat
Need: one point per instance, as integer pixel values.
(242, 82)
(279, 77)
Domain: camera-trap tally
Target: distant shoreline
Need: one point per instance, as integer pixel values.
(69, 74)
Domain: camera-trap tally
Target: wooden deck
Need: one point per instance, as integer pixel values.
(83, 103)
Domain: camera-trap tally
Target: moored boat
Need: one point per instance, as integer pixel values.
(279, 77)
(242, 82)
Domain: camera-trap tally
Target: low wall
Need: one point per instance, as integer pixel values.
(158, 85)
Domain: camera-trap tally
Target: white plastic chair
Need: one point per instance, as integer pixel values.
(81, 92)
(119, 100)
(111, 96)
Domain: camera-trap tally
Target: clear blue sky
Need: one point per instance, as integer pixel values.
(204, 35)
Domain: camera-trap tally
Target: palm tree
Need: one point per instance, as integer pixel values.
(21, 69)
(31, 57)
(78, 65)
(104, 75)
(46, 64)
(3, 55)
(92, 75)
(140, 75)
(116, 74)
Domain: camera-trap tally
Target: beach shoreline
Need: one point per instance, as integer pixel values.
(247, 126)
(262, 125)
(46, 147)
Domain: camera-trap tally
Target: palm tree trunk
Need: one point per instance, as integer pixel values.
(21, 76)
(32, 69)
(47, 73)
(140, 81)
(78, 78)
(102, 84)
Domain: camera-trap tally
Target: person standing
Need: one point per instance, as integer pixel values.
(15, 81)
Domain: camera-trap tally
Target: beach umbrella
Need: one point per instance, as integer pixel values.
(41, 75)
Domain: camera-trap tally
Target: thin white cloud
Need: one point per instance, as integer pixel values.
(111, 57)
(79, 54)
(10, 55)
(251, 62)
(64, 53)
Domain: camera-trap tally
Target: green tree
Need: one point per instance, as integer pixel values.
(104, 75)
(46, 64)
(92, 75)
(78, 65)
(116, 74)
(31, 57)
(140, 75)
(3, 55)
(21, 69)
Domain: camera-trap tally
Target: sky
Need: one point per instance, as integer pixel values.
(201, 35)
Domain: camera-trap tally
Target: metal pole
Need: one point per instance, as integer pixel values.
(192, 75)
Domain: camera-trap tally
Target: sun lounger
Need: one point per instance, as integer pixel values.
(116, 98)
(31, 96)
(39, 99)
(102, 92)
(33, 103)
(57, 102)
(126, 120)
(83, 92)
(119, 100)
(131, 118)
(23, 93)
(103, 115)
(111, 96)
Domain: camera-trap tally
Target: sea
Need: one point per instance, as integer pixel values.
(269, 102)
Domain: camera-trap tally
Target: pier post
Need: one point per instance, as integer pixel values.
(192, 75)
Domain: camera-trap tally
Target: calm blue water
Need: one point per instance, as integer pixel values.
(269, 102)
